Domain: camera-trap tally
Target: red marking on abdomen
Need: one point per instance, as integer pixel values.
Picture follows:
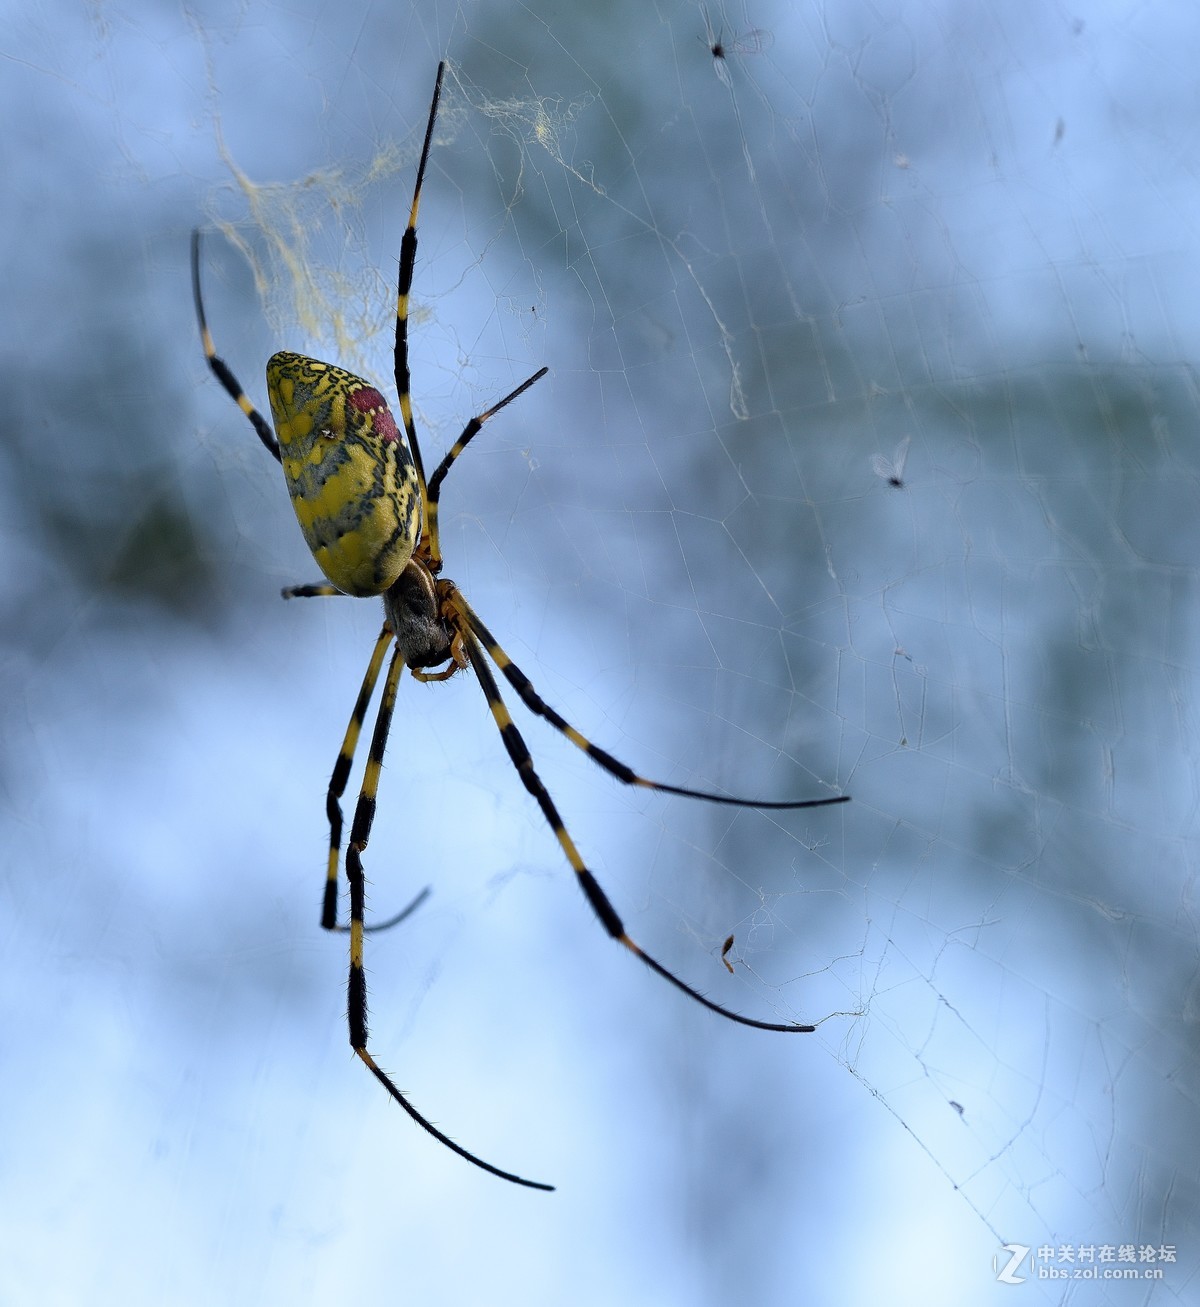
(368, 400)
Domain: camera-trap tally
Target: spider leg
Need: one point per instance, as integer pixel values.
(408, 262)
(469, 432)
(360, 833)
(337, 787)
(220, 369)
(534, 702)
(319, 589)
(341, 773)
(518, 752)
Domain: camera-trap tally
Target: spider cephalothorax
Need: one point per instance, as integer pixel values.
(415, 611)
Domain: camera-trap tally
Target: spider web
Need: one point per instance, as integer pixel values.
(866, 463)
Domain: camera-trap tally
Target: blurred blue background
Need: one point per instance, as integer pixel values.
(934, 235)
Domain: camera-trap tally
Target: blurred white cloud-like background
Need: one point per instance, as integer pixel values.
(937, 244)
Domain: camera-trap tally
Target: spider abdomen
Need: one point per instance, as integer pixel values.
(349, 472)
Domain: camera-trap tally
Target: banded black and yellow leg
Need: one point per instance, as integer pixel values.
(434, 490)
(220, 369)
(317, 590)
(536, 704)
(337, 787)
(360, 834)
(408, 262)
(596, 897)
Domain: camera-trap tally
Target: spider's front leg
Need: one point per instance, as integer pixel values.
(337, 788)
(341, 774)
(412, 607)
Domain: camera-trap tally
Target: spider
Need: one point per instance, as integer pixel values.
(370, 518)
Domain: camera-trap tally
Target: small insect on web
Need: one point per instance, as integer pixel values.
(370, 518)
(725, 953)
(891, 469)
(752, 41)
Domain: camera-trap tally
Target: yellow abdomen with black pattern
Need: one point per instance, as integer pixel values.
(349, 472)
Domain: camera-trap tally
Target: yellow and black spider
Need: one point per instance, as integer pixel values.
(370, 518)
